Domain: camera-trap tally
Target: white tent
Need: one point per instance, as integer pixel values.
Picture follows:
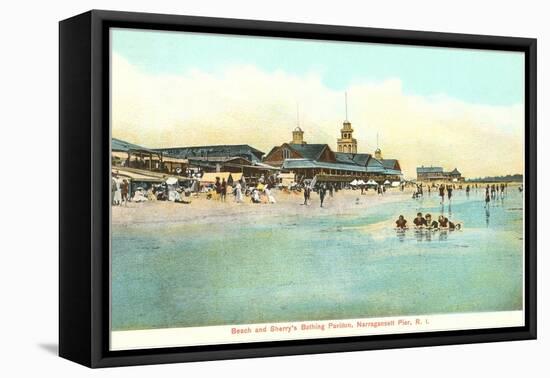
(395, 184)
(171, 180)
(372, 182)
(387, 182)
(361, 182)
(354, 182)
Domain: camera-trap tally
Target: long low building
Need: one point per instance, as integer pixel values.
(216, 151)
(309, 160)
(130, 155)
(437, 174)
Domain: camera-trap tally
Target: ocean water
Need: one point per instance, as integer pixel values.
(283, 268)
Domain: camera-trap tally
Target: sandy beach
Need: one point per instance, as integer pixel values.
(202, 210)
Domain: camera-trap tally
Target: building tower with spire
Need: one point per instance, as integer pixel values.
(298, 133)
(346, 142)
(298, 136)
(378, 151)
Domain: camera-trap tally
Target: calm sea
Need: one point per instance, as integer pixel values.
(281, 268)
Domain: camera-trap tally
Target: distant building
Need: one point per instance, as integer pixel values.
(129, 155)
(309, 160)
(218, 151)
(389, 163)
(437, 174)
(224, 158)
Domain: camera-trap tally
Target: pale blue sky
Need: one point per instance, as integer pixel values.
(474, 76)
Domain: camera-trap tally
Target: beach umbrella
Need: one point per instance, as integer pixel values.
(354, 182)
(171, 180)
(387, 182)
(360, 182)
(371, 182)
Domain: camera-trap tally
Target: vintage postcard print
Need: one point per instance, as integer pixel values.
(271, 189)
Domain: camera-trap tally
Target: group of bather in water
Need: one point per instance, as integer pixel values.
(426, 222)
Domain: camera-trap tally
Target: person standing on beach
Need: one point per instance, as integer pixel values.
(118, 193)
(322, 193)
(223, 190)
(449, 192)
(113, 190)
(331, 190)
(307, 192)
(269, 196)
(124, 188)
(487, 197)
(218, 187)
(467, 190)
(238, 193)
(442, 193)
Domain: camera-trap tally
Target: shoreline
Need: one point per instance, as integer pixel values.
(201, 210)
(345, 202)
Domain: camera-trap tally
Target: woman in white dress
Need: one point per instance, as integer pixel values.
(139, 195)
(238, 193)
(270, 197)
(118, 193)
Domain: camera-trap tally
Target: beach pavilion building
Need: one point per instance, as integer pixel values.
(309, 160)
(128, 155)
(240, 158)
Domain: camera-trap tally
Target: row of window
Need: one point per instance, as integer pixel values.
(346, 148)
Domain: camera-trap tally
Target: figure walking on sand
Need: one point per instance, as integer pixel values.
(449, 192)
(113, 190)
(124, 189)
(487, 197)
(322, 193)
(307, 193)
(269, 196)
(218, 188)
(223, 190)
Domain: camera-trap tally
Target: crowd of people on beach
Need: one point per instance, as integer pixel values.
(426, 222)
(259, 193)
(494, 191)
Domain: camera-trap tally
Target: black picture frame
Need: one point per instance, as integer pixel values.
(84, 229)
